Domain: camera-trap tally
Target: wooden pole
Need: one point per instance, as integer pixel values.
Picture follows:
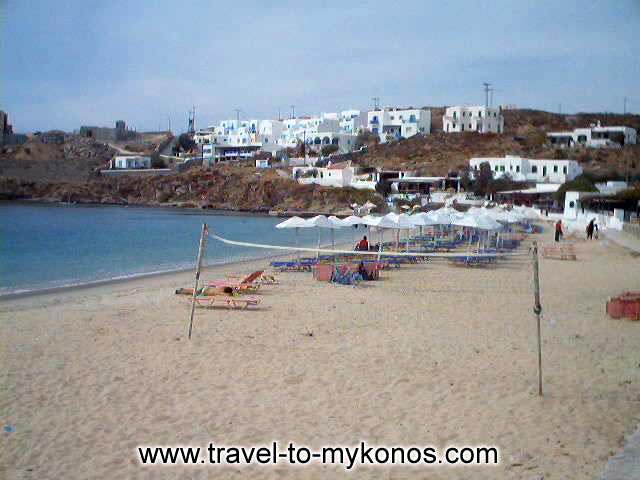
(203, 241)
(537, 309)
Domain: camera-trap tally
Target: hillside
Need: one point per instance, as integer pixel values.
(68, 171)
(223, 187)
(73, 160)
(440, 153)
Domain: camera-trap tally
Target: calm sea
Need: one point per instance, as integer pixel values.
(44, 246)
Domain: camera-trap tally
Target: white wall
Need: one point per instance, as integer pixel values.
(531, 170)
(473, 118)
(406, 122)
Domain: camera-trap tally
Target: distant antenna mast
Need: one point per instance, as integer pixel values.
(560, 108)
(625, 106)
(293, 111)
(487, 89)
(237, 110)
(376, 103)
(279, 114)
(192, 121)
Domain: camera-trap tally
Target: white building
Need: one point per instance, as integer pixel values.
(396, 123)
(530, 170)
(473, 119)
(345, 175)
(596, 136)
(338, 175)
(130, 162)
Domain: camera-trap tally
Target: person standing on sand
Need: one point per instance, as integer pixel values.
(558, 230)
(590, 229)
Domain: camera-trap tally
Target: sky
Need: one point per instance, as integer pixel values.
(71, 63)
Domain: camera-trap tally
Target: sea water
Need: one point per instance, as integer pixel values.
(47, 246)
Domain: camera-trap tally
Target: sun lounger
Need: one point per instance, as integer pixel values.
(293, 266)
(244, 284)
(227, 301)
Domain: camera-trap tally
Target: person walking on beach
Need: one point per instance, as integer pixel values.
(363, 245)
(558, 230)
(590, 229)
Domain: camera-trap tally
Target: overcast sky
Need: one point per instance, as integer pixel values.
(71, 63)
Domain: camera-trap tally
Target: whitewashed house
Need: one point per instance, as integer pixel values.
(596, 136)
(130, 162)
(396, 123)
(337, 175)
(528, 169)
(479, 119)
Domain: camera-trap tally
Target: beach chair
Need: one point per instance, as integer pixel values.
(248, 283)
(293, 266)
(227, 301)
(264, 279)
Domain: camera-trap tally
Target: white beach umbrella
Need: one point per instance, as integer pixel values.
(422, 219)
(354, 221)
(335, 223)
(295, 223)
(319, 221)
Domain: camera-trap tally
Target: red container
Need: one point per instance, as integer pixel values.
(322, 272)
(626, 305)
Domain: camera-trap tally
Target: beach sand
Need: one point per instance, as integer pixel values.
(430, 355)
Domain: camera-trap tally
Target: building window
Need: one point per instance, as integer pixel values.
(497, 169)
(517, 168)
(469, 126)
(502, 168)
(534, 169)
(555, 169)
(564, 170)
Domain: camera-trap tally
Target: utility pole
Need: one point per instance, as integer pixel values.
(487, 88)
(169, 124)
(560, 108)
(293, 111)
(491, 90)
(625, 105)
(279, 115)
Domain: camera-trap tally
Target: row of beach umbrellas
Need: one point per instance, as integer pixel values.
(484, 219)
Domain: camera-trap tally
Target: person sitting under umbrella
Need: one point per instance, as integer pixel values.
(363, 245)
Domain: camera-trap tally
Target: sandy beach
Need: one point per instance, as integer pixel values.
(429, 355)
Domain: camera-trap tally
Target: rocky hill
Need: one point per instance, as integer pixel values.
(440, 153)
(223, 187)
(72, 160)
(67, 170)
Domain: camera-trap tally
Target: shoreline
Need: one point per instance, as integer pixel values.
(125, 279)
(128, 279)
(171, 207)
